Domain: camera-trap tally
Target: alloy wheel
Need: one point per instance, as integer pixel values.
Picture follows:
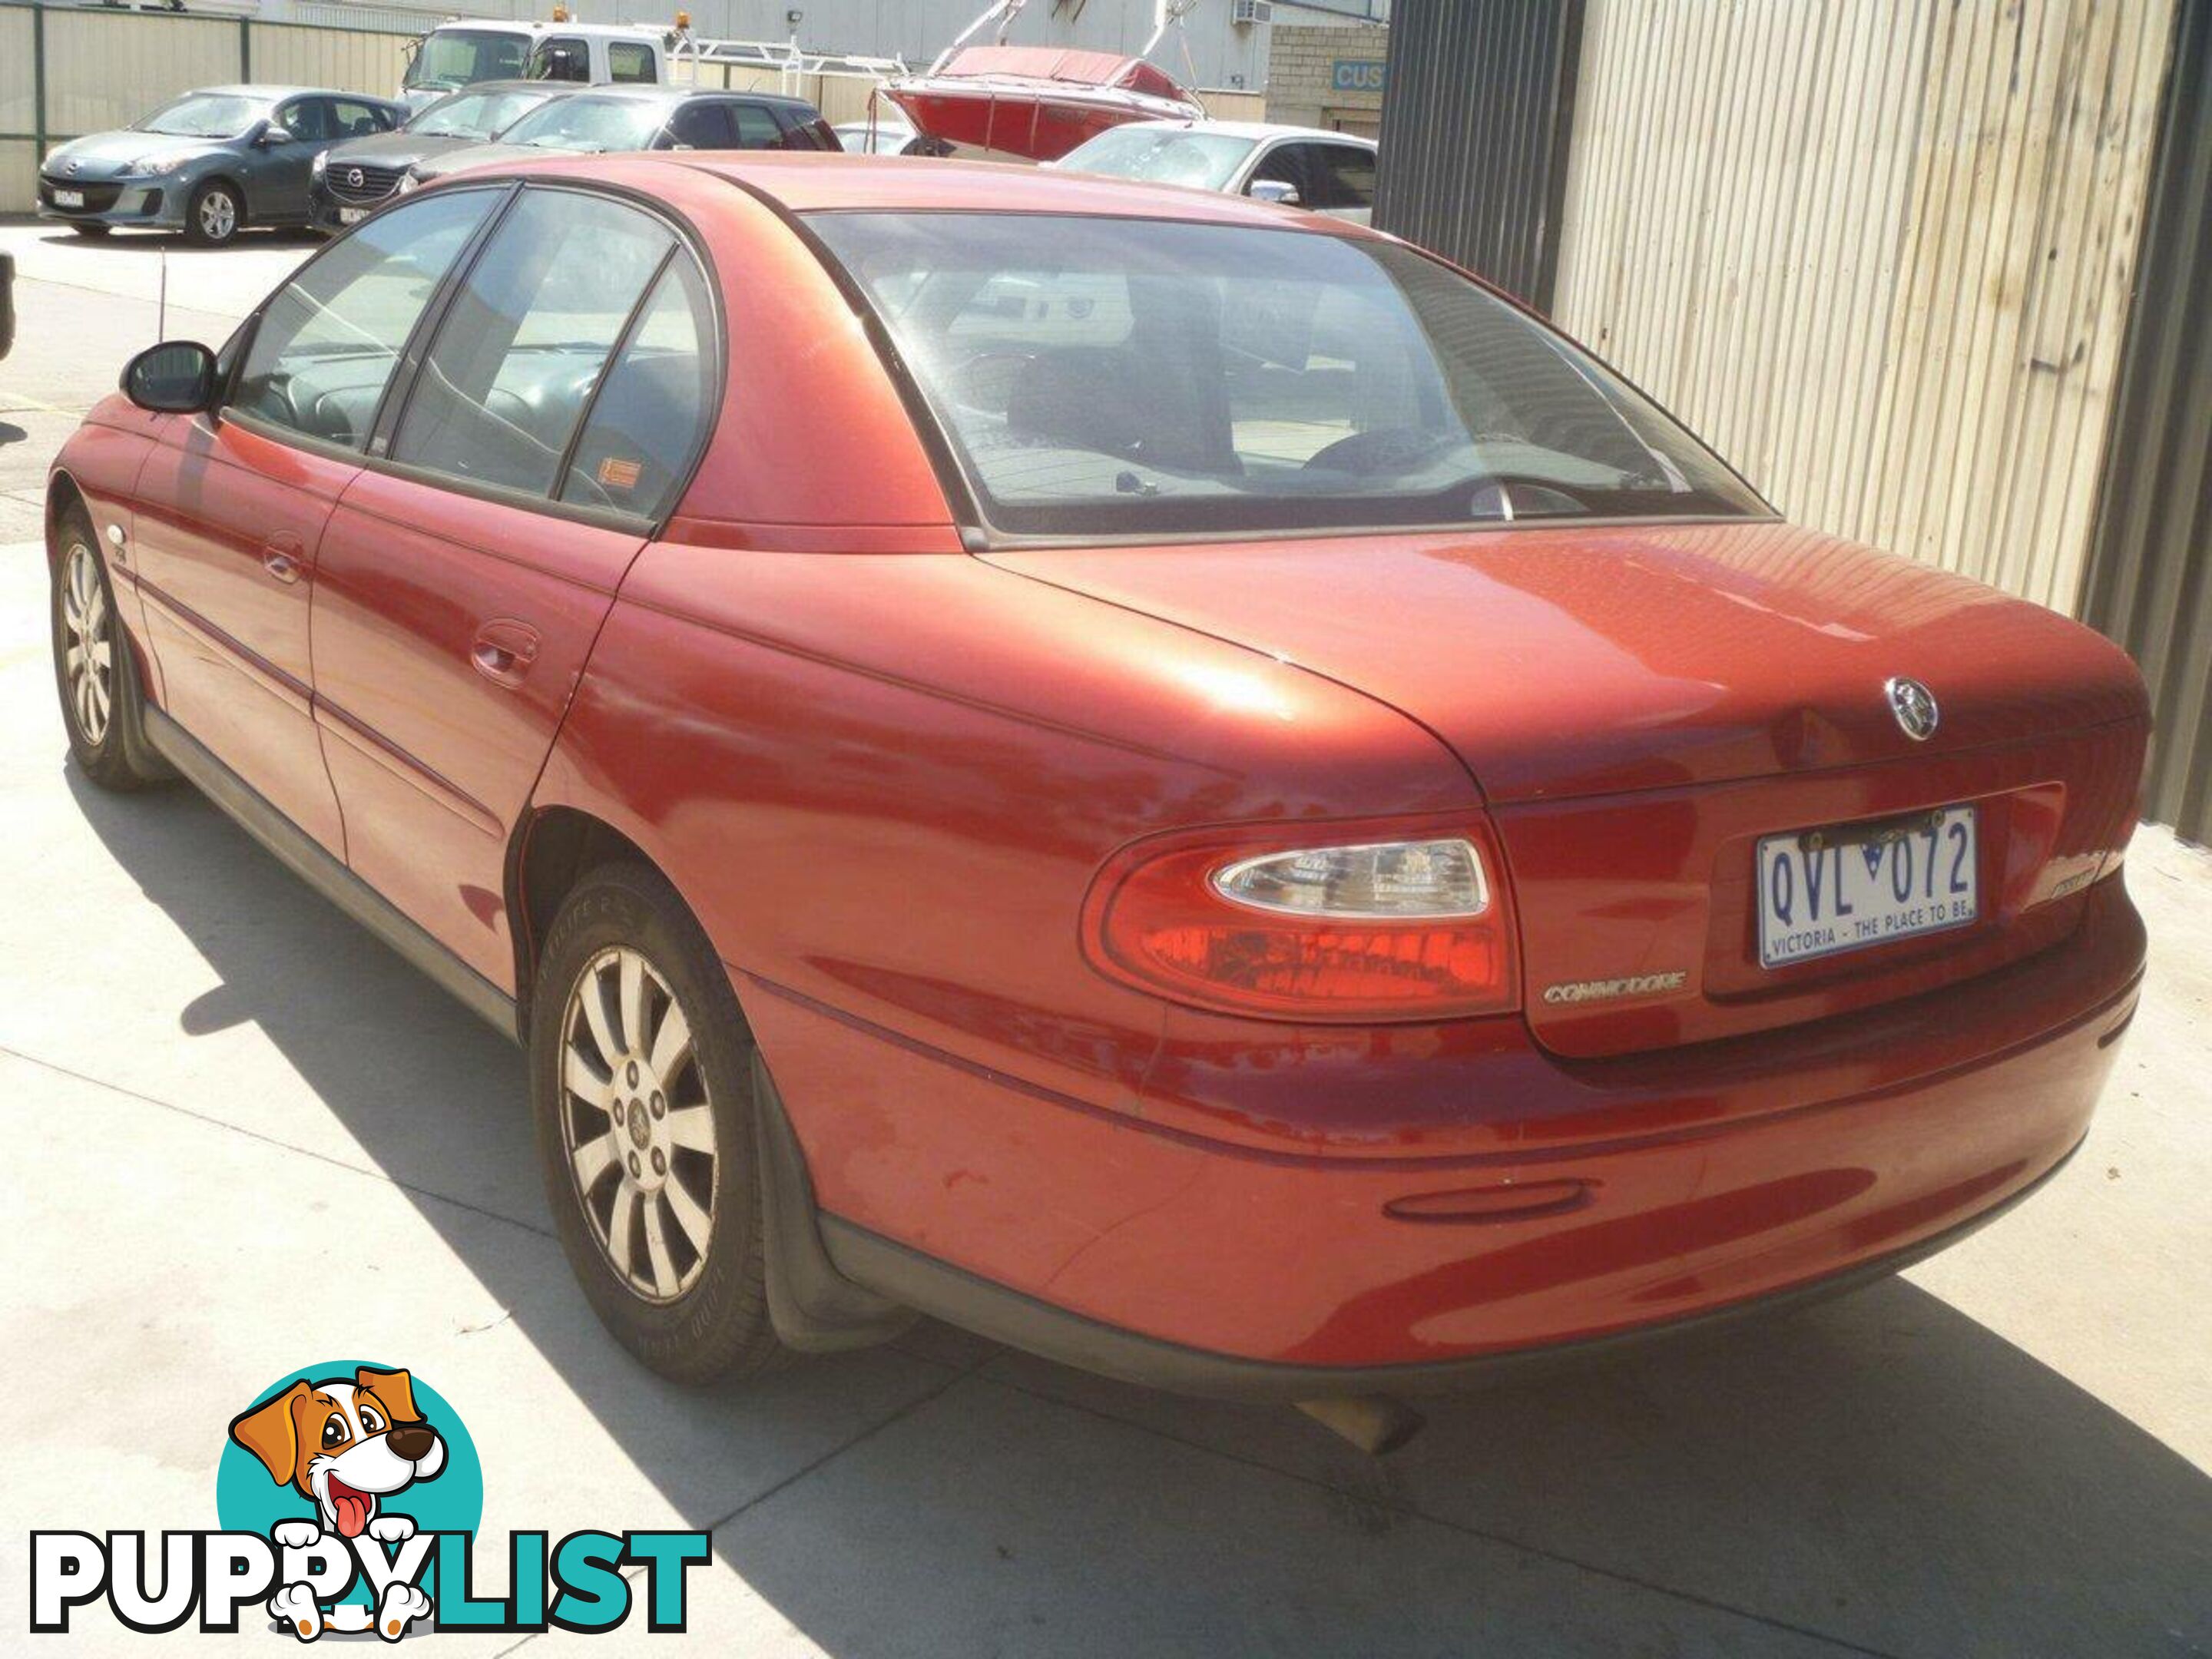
(89, 646)
(637, 1125)
(218, 216)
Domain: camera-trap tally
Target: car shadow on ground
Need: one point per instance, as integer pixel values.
(1880, 1469)
(124, 240)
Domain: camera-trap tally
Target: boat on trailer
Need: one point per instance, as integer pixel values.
(1038, 102)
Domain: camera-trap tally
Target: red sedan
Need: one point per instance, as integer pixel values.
(1174, 781)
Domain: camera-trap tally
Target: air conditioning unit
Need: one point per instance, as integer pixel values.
(1251, 11)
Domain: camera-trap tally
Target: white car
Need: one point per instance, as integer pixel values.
(1331, 173)
(893, 137)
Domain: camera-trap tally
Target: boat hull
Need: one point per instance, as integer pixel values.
(1039, 123)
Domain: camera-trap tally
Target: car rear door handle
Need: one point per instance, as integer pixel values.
(281, 557)
(504, 651)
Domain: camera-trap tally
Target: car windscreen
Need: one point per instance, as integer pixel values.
(460, 58)
(590, 124)
(1126, 377)
(206, 115)
(474, 114)
(1202, 160)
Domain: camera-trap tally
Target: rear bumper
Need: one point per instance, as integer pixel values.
(1586, 1201)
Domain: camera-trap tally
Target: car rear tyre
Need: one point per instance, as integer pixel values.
(214, 215)
(103, 704)
(641, 1070)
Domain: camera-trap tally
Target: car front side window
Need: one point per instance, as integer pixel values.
(306, 120)
(562, 58)
(1347, 176)
(326, 344)
(517, 356)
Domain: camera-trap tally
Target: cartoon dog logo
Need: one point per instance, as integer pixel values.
(347, 1446)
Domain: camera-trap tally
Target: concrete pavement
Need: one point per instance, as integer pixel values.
(243, 1137)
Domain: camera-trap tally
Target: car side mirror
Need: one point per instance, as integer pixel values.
(1280, 191)
(275, 133)
(174, 378)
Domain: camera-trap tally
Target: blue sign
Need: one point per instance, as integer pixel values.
(1356, 75)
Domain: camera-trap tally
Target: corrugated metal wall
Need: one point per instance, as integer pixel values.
(19, 112)
(2149, 586)
(1474, 133)
(1878, 254)
(357, 60)
(100, 65)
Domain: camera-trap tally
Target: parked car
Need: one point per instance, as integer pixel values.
(211, 163)
(464, 52)
(352, 179)
(893, 137)
(1187, 788)
(606, 119)
(1330, 173)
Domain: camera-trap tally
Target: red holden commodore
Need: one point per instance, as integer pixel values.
(1173, 781)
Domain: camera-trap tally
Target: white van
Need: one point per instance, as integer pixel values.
(472, 49)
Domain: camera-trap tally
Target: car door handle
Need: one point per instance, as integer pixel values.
(280, 557)
(504, 651)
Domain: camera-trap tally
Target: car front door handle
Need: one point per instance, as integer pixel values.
(504, 650)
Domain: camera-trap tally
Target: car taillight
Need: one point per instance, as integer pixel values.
(1365, 922)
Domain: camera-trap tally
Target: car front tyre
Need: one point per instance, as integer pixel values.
(103, 705)
(640, 1072)
(89, 228)
(213, 216)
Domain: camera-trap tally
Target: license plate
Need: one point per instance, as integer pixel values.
(1837, 889)
(69, 199)
(352, 216)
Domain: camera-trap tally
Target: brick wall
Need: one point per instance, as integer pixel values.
(1302, 76)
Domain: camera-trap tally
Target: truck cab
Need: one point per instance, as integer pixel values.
(468, 50)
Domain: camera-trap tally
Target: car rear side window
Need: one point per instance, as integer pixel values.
(653, 408)
(629, 60)
(757, 127)
(326, 343)
(351, 118)
(515, 359)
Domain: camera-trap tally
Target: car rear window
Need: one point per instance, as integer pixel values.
(1122, 377)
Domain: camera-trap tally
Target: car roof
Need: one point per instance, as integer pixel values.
(1254, 130)
(268, 93)
(803, 181)
(645, 94)
(512, 85)
(536, 26)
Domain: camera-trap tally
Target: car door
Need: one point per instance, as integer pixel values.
(233, 503)
(466, 572)
(278, 184)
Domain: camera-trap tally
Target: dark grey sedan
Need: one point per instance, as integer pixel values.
(352, 179)
(209, 164)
